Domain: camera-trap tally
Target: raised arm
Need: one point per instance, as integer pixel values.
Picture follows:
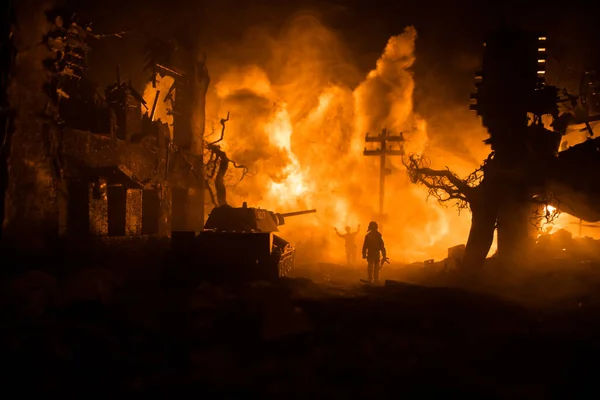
(357, 230)
(337, 233)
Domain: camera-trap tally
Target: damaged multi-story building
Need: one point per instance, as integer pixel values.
(87, 163)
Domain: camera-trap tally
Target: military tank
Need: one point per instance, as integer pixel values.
(239, 243)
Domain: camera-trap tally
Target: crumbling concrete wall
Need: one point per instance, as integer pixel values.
(80, 148)
(31, 211)
(43, 157)
(139, 160)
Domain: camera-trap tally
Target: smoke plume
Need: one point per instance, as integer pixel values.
(299, 115)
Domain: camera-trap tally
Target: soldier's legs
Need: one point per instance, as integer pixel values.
(372, 268)
(376, 271)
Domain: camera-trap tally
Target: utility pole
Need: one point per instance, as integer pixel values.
(383, 152)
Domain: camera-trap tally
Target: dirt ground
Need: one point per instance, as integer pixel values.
(532, 334)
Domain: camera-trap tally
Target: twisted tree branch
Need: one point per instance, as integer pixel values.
(217, 165)
(443, 185)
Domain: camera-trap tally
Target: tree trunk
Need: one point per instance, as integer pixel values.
(220, 181)
(484, 211)
(515, 226)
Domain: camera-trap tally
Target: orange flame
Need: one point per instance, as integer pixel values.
(163, 84)
(299, 114)
(301, 130)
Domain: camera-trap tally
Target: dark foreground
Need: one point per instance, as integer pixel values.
(97, 332)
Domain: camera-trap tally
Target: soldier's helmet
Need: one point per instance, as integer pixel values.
(372, 226)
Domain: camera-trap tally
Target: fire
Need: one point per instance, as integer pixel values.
(163, 84)
(300, 110)
(557, 221)
(280, 133)
(301, 128)
(561, 221)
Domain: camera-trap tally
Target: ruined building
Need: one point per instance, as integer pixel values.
(90, 163)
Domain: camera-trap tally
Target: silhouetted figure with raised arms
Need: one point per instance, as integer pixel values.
(373, 249)
(350, 243)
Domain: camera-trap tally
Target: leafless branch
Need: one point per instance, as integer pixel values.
(210, 192)
(243, 167)
(223, 120)
(545, 214)
(443, 185)
(212, 132)
(217, 165)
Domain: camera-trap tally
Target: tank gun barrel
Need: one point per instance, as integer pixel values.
(293, 214)
(280, 217)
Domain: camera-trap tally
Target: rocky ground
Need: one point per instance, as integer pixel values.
(529, 335)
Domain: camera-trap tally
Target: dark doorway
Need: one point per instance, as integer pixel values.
(178, 207)
(117, 199)
(78, 208)
(150, 212)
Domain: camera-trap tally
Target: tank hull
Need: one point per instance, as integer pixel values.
(242, 256)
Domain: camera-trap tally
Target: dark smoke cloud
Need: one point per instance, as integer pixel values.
(447, 31)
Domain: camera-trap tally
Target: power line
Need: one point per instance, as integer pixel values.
(384, 139)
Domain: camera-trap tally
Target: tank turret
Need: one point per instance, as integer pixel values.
(239, 243)
(248, 219)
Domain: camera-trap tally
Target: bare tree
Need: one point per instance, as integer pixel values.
(468, 193)
(216, 168)
(478, 193)
(443, 185)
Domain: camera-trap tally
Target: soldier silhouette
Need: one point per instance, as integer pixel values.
(373, 248)
(350, 243)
